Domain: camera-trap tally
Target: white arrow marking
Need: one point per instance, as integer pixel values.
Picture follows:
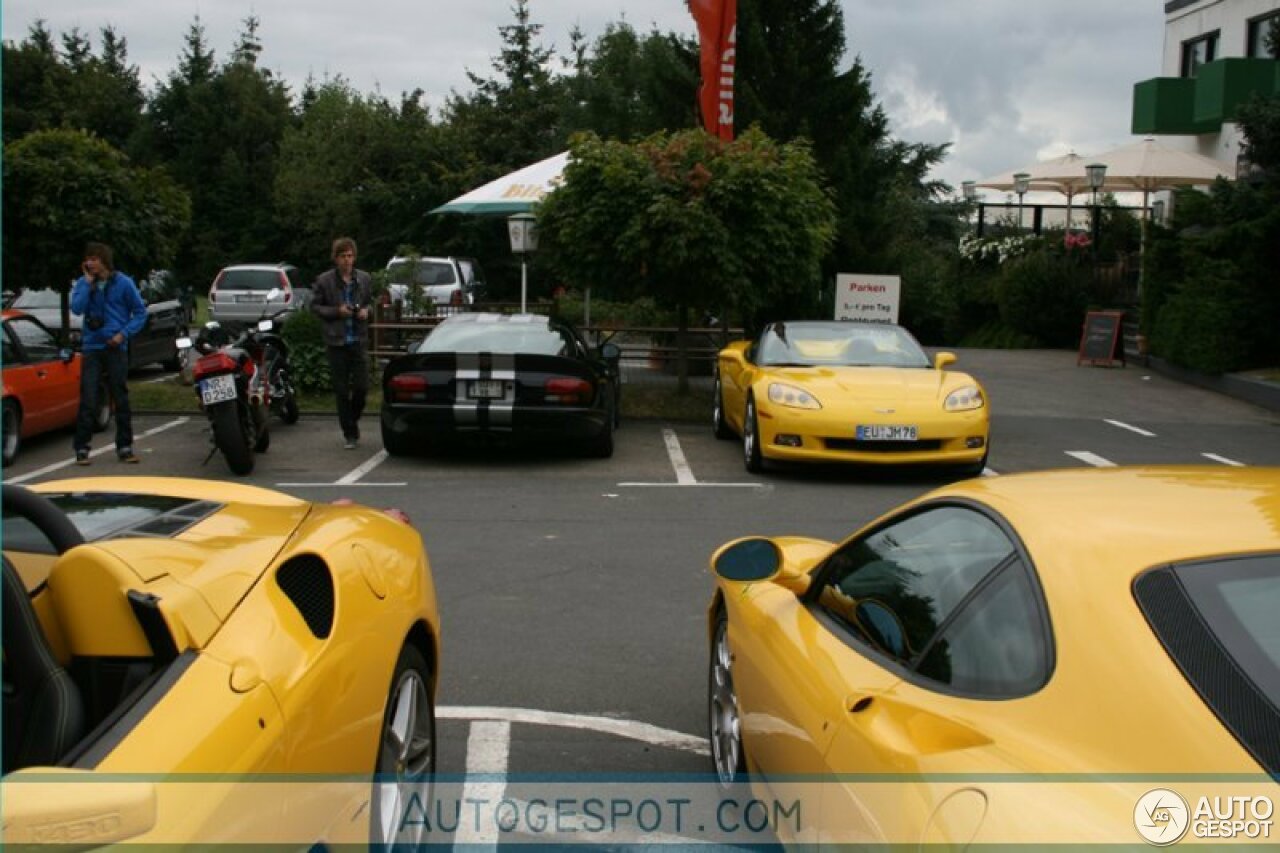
(630, 729)
(684, 475)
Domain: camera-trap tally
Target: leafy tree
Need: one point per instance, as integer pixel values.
(689, 221)
(511, 119)
(34, 80)
(64, 187)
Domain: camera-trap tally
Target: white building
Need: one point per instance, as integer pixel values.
(1216, 56)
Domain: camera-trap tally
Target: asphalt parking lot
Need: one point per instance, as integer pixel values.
(573, 590)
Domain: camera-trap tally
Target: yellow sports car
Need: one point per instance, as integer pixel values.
(167, 642)
(848, 392)
(1064, 656)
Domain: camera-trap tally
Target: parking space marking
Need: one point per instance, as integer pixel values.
(1091, 458)
(352, 478)
(1223, 460)
(1129, 427)
(488, 748)
(630, 729)
(164, 378)
(684, 474)
(110, 448)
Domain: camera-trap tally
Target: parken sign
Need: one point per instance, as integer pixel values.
(868, 298)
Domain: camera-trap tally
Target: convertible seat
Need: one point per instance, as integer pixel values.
(44, 713)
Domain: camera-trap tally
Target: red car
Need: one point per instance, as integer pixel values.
(41, 384)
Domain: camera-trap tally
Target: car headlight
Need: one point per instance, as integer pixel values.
(793, 397)
(965, 399)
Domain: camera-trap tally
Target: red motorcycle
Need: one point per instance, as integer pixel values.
(231, 379)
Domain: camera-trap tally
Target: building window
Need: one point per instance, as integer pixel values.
(1261, 36)
(1199, 51)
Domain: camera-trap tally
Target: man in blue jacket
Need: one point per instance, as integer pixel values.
(113, 313)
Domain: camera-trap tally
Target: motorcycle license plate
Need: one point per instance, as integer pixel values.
(217, 389)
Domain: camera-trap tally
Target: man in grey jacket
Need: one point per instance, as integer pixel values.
(341, 298)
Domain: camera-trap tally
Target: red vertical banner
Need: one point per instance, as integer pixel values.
(717, 22)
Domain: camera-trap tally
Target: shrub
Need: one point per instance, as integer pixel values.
(1205, 326)
(1043, 296)
(304, 333)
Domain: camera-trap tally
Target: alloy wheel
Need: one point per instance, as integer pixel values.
(406, 760)
(726, 727)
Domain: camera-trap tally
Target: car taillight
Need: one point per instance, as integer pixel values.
(218, 362)
(408, 388)
(561, 389)
(213, 288)
(456, 298)
(286, 287)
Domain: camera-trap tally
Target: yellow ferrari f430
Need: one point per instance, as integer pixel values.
(1076, 656)
(189, 661)
(848, 392)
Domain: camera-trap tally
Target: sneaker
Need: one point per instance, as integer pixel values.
(82, 457)
(349, 443)
(126, 455)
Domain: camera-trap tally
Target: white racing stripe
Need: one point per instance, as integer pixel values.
(1091, 458)
(488, 748)
(1223, 460)
(1129, 427)
(684, 474)
(48, 469)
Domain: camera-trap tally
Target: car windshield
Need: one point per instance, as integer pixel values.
(426, 272)
(1238, 600)
(249, 280)
(839, 345)
(38, 299)
(519, 334)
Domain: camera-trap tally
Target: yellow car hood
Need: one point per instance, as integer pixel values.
(873, 384)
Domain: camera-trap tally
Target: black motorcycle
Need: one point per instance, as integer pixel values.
(238, 375)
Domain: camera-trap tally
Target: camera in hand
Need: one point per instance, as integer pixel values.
(94, 322)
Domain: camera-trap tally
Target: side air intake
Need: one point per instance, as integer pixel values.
(307, 583)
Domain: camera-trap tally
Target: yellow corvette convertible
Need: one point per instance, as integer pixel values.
(1064, 656)
(848, 392)
(167, 642)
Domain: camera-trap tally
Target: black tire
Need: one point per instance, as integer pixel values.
(975, 469)
(751, 455)
(397, 444)
(728, 755)
(102, 417)
(601, 447)
(11, 431)
(264, 440)
(719, 425)
(174, 362)
(404, 764)
(289, 411)
(229, 435)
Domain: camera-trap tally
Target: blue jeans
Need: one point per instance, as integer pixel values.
(114, 365)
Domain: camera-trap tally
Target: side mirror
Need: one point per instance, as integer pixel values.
(942, 359)
(49, 805)
(183, 343)
(747, 560)
(67, 354)
(610, 352)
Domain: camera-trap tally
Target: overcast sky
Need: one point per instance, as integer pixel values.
(1007, 82)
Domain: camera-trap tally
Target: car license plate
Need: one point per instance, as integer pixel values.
(885, 432)
(485, 389)
(251, 297)
(217, 389)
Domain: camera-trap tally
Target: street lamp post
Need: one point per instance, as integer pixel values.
(970, 190)
(1097, 173)
(524, 239)
(1021, 183)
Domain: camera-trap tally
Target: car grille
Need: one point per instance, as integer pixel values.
(851, 444)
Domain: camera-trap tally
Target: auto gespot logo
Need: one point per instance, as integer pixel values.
(1163, 817)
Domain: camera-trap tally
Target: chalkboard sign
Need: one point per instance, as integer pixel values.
(1100, 341)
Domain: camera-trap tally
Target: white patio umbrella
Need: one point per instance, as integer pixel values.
(1065, 174)
(516, 192)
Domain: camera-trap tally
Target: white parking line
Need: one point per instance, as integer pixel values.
(350, 479)
(488, 748)
(1129, 427)
(630, 729)
(1224, 460)
(684, 474)
(374, 461)
(1091, 458)
(48, 469)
